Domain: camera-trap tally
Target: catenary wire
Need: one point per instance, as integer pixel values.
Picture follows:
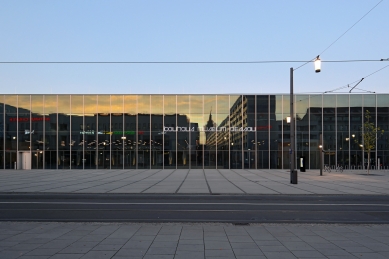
(351, 27)
(339, 37)
(187, 62)
(346, 86)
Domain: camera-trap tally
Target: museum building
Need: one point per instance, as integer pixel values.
(188, 131)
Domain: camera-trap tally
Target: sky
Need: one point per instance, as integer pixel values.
(191, 31)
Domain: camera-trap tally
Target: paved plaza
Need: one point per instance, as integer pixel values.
(189, 241)
(195, 181)
(60, 240)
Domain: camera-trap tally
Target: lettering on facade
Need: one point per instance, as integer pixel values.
(129, 132)
(209, 129)
(28, 119)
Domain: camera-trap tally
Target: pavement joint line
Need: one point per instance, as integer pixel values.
(206, 180)
(158, 181)
(231, 181)
(138, 180)
(258, 182)
(72, 177)
(179, 187)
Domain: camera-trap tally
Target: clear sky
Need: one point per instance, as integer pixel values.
(190, 30)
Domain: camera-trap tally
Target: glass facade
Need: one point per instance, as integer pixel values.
(186, 131)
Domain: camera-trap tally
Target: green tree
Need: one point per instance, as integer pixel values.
(370, 135)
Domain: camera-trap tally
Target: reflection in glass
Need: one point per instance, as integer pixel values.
(185, 131)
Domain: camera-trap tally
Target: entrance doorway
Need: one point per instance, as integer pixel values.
(24, 159)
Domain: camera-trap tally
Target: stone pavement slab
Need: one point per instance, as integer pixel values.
(194, 181)
(168, 240)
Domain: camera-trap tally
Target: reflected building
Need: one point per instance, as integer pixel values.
(186, 131)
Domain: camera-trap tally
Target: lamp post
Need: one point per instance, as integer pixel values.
(292, 150)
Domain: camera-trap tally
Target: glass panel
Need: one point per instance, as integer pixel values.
(25, 125)
(302, 127)
(10, 130)
(342, 105)
(64, 104)
(382, 103)
(198, 136)
(278, 104)
(117, 104)
(223, 134)
(329, 101)
(37, 130)
(117, 139)
(77, 104)
(236, 135)
(130, 144)
(104, 104)
(356, 104)
(185, 137)
(2, 132)
(157, 105)
(209, 131)
(130, 104)
(369, 102)
(90, 132)
(263, 128)
(50, 138)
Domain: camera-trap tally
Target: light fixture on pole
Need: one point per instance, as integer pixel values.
(293, 173)
(317, 64)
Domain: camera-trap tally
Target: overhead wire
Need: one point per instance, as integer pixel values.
(351, 27)
(186, 62)
(348, 85)
(339, 37)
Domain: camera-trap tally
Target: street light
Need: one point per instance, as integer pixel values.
(293, 180)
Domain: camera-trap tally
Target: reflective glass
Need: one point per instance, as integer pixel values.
(369, 102)
(169, 105)
(117, 104)
(356, 104)
(383, 103)
(131, 104)
(2, 139)
(25, 125)
(64, 104)
(37, 133)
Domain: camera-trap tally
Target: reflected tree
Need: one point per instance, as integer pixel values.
(370, 134)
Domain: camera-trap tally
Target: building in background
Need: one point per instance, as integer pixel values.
(186, 131)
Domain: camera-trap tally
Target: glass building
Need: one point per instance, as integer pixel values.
(187, 131)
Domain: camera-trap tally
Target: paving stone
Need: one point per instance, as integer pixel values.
(279, 255)
(191, 242)
(137, 244)
(98, 255)
(114, 241)
(131, 252)
(42, 251)
(217, 245)
(219, 252)
(308, 254)
(34, 257)
(240, 239)
(250, 257)
(161, 251)
(189, 254)
(66, 256)
(199, 248)
(11, 254)
(107, 247)
(248, 252)
(158, 257)
(297, 246)
(164, 244)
